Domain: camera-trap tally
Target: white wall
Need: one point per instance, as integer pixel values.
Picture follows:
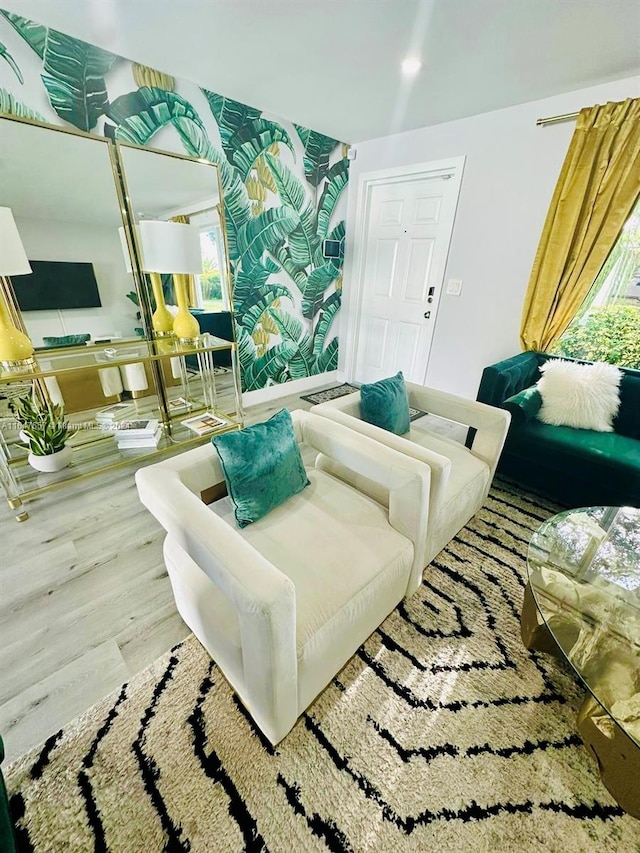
(510, 173)
(46, 240)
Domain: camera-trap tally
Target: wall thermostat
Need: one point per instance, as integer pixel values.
(331, 248)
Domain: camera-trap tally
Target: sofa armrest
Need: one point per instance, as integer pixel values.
(491, 424)
(7, 837)
(524, 405)
(507, 377)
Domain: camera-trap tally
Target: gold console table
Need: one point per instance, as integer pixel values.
(200, 387)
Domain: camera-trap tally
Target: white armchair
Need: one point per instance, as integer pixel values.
(283, 603)
(460, 477)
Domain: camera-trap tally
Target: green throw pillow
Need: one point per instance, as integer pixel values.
(524, 405)
(66, 341)
(262, 466)
(385, 404)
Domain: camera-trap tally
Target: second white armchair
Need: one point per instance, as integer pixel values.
(460, 476)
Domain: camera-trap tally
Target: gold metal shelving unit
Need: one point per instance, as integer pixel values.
(202, 388)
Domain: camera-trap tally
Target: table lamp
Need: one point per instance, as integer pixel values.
(162, 318)
(172, 247)
(16, 349)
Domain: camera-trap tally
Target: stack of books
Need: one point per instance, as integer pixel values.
(110, 417)
(131, 435)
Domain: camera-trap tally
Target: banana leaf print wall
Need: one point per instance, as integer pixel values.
(283, 184)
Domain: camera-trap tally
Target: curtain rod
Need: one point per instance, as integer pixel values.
(541, 122)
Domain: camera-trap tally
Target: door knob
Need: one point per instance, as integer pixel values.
(427, 315)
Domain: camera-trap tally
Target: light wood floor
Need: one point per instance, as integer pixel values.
(85, 601)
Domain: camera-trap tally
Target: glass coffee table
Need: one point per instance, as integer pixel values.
(582, 602)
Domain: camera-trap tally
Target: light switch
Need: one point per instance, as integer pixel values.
(454, 286)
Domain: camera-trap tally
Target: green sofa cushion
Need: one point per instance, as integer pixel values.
(66, 340)
(557, 445)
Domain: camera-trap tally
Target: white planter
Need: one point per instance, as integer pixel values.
(52, 462)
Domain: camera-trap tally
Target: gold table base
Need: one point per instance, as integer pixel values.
(617, 756)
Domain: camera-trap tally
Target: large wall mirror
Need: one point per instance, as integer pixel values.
(61, 189)
(175, 204)
(116, 236)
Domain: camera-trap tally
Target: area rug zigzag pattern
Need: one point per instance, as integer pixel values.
(441, 733)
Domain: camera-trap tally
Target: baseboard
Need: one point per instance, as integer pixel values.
(297, 386)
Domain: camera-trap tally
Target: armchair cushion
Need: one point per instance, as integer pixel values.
(262, 466)
(385, 404)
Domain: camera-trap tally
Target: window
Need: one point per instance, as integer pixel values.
(607, 327)
(211, 289)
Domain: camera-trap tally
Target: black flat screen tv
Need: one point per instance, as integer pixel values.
(57, 284)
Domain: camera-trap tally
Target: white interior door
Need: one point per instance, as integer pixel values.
(408, 225)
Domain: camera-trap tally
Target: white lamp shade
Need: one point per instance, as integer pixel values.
(125, 248)
(13, 258)
(167, 247)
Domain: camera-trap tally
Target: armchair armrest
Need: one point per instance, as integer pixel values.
(491, 424)
(524, 405)
(263, 597)
(361, 461)
(346, 410)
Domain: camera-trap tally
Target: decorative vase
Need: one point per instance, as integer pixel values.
(162, 318)
(185, 325)
(16, 350)
(52, 462)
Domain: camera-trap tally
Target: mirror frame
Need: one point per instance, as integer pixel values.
(114, 148)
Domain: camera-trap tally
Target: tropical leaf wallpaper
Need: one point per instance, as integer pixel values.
(283, 184)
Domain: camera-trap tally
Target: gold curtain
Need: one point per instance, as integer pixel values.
(598, 187)
(189, 280)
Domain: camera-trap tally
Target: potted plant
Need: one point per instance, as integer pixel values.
(25, 411)
(47, 433)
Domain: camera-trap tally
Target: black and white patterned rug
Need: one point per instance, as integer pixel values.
(442, 733)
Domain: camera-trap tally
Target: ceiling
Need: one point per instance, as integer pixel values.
(333, 65)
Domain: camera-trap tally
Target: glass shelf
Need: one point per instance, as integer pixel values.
(51, 362)
(199, 387)
(95, 451)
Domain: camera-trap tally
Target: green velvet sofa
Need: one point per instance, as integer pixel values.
(577, 467)
(7, 839)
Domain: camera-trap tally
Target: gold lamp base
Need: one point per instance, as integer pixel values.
(16, 349)
(18, 365)
(162, 319)
(185, 325)
(190, 342)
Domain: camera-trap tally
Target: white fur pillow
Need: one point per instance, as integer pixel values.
(579, 395)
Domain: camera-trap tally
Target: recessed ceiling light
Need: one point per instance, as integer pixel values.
(411, 65)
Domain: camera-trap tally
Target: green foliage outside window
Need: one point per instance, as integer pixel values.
(607, 327)
(610, 333)
(210, 284)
